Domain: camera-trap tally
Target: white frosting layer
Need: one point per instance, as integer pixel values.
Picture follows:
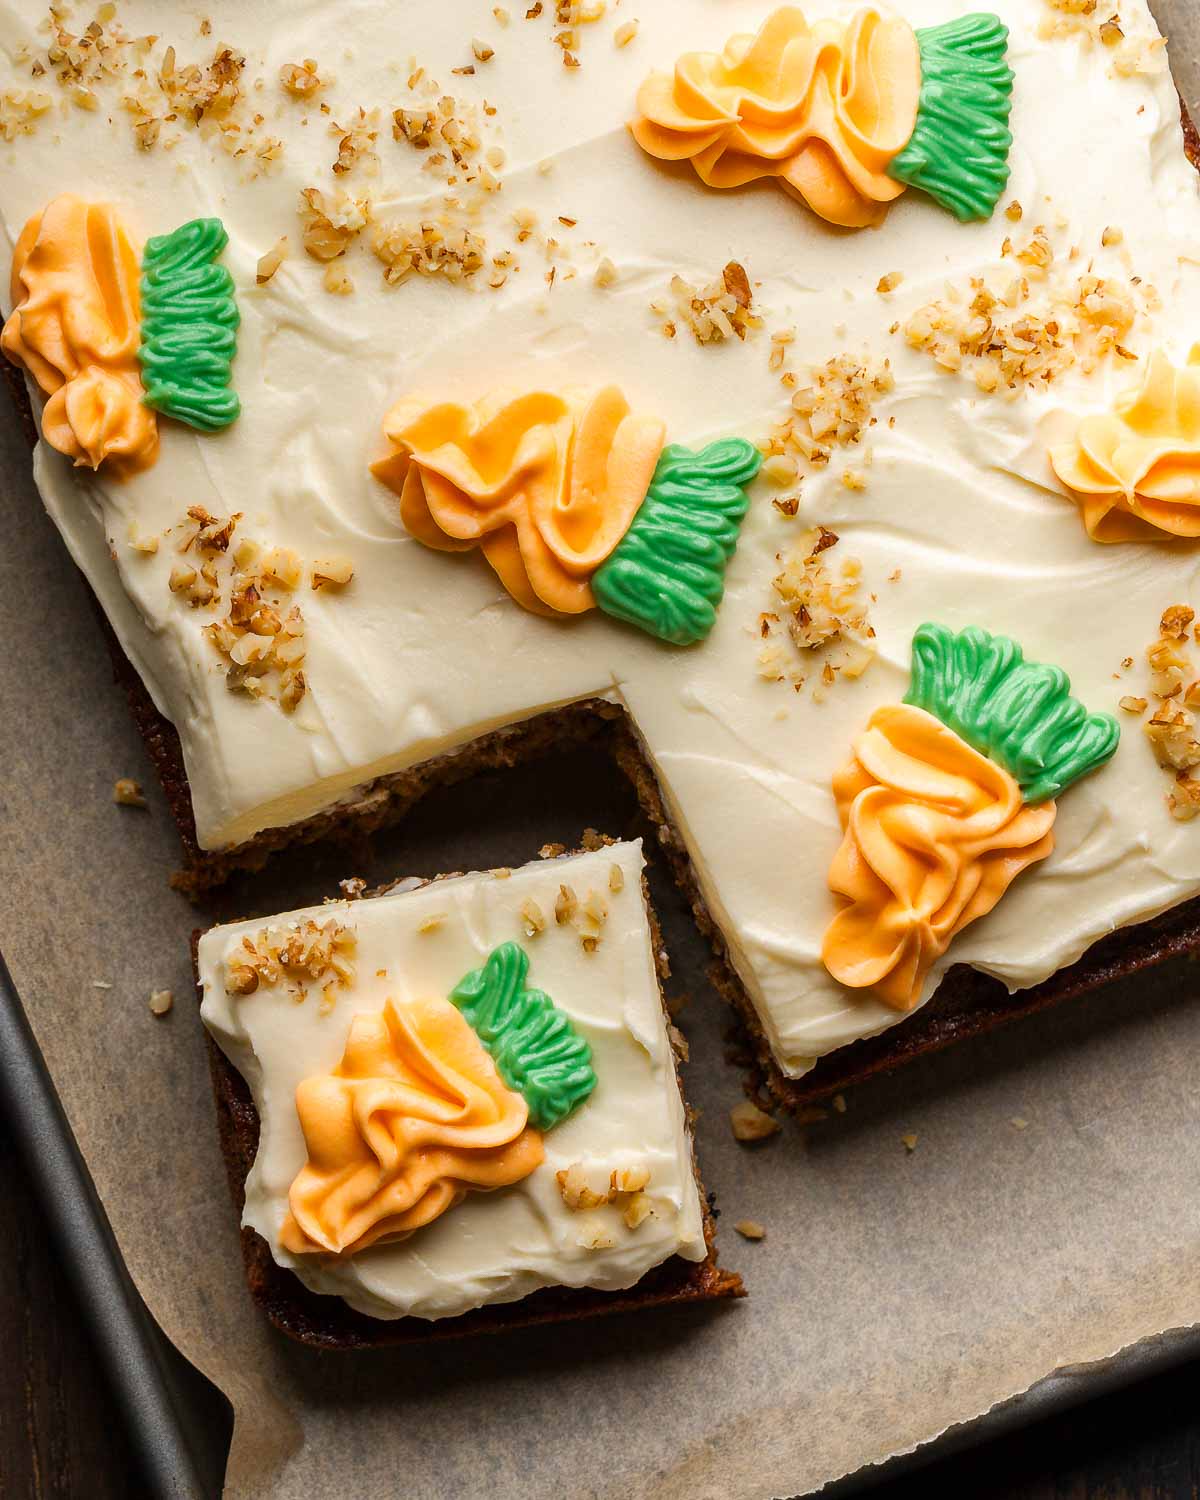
(499, 1246)
(425, 651)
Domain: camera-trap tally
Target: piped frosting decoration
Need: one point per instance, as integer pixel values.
(844, 117)
(667, 573)
(1018, 713)
(74, 328)
(574, 502)
(933, 835)
(1135, 471)
(106, 350)
(189, 326)
(413, 1117)
(533, 1044)
(945, 800)
(544, 484)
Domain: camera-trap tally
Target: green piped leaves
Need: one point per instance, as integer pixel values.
(537, 1052)
(958, 151)
(667, 573)
(1018, 713)
(189, 326)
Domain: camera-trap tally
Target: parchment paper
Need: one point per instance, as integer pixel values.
(1048, 1216)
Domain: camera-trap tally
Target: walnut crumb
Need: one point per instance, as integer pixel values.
(128, 793)
(335, 573)
(299, 953)
(301, 80)
(583, 1189)
(269, 263)
(432, 922)
(750, 1123)
(750, 1229)
(161, 1002)
(889, 283)
(532, 920)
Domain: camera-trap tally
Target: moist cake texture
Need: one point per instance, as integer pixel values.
(906, 384)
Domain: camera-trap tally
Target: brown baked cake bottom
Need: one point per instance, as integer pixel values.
(327, 1322)
(966, 1003)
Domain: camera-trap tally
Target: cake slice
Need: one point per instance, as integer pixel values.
(454, 1106)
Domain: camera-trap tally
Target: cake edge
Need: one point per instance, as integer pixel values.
(327, 1322)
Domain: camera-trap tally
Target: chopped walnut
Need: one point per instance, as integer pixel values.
(833, 410)
(1133, 46)
(128, 793)
(750, 1229)
(269, 263)
(751, 1123)
(334, 573)
(450, 251)
(625, 1190)
(724, 309)
(299, 953)
(821, 613)
(616, 879)
(1027, 328)
(301, 80)
(532, 920)
(1171, 726)
(331, 222)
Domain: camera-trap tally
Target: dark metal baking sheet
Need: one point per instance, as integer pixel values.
(178, 1422)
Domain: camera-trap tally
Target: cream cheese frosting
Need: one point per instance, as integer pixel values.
(423, 652)
(494, 1246)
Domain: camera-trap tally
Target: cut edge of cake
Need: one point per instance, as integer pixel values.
(328, 1322)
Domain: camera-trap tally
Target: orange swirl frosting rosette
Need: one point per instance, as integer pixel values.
(75, 328)
(934, 834)
(545, 485)
(413, 1117)
(823, 108)
(945, 800)
(1135, 471)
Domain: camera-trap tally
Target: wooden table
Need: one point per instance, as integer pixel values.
(60, 1437)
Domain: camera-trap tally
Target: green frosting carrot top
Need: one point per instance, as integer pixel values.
(1018, 713)
(189, 326)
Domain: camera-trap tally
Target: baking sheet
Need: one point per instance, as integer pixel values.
(1048, 1216)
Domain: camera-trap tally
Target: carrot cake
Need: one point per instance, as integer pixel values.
(807, 392)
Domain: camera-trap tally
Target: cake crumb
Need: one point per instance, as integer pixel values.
(616, 879)
(750, 1229)
(101, 984)
(889, 283)
(161, 1002)
(1018, 1123)
(839, 1103)
(128, 793)
(749, 1123)
(432, 922)
(909, 1142)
